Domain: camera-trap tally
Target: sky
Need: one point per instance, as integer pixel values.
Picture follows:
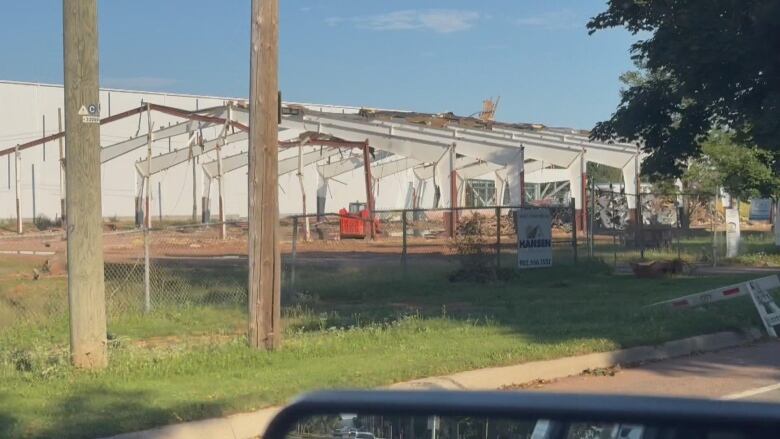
(421, 55)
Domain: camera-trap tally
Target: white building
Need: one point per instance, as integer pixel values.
(412, 158)
(30, 111)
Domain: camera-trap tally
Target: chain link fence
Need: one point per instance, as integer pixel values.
(192, 279)
(163, 274)
(399, 239)
(674, 225)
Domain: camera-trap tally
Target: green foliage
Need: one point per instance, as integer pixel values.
(475, 255)
(743, 171)
(709, 64)
(604, 174)
(44, 223)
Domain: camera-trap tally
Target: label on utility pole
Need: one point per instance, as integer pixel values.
(90, 113)
(534, 238)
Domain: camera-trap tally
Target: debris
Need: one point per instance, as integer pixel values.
(602, 371)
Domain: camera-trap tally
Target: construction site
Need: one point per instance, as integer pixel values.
(168, 257)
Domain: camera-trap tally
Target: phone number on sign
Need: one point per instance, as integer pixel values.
(545, 262)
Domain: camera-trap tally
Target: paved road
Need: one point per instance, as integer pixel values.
(746, 373)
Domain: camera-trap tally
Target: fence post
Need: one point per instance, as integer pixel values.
(573, 210)
(404, 225)
(147, 280)
(498, 236)
(640, 223)
(294, 253)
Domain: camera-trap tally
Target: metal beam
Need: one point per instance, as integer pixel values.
(330, 170)
(286, 165)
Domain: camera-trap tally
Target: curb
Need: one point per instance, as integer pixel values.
(252, 425)
(498, 377)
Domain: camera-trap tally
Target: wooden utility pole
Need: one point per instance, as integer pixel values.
(264, 259)
(86, 294)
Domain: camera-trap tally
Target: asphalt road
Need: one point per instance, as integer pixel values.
(745, 373)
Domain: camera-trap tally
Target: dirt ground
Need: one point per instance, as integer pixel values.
(200, 243)
(193, 243)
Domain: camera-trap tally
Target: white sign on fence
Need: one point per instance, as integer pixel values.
(534, 238)
(732, 233)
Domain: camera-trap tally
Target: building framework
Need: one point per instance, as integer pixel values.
(193, 150)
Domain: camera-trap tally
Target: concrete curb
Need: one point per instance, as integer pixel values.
(251, 425)
(497, 377)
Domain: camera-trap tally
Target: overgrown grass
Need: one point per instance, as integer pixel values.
(348, 327)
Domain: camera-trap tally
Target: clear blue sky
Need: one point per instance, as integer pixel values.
(421, 55)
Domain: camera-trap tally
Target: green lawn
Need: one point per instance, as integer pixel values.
(756, 249)
(350, 327)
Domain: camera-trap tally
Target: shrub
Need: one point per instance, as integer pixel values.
(476, 257)
(43, 222)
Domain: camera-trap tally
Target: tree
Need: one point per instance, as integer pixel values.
(710, 64)
(742, 171)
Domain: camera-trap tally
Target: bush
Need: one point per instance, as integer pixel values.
(476, 257)
(43, 223)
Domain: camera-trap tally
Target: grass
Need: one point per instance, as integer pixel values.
(756, 249)
(349, 327)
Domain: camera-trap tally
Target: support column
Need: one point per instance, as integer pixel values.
(63, 212)
(322, 193)
(220, 195)
(584, 183)
(147, 177)
(139, 204)
(631, 184)
(522, 176)
(18, 179)
(369, 190)
(453, 177)
(220, 184)
(194, 191)
(515, 179)
(500, 188)
(205, 205)
(577, 188)
(306, 229)
(34, 207)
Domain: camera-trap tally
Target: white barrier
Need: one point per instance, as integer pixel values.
(757, 289)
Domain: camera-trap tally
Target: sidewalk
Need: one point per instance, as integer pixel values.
(251, 425)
